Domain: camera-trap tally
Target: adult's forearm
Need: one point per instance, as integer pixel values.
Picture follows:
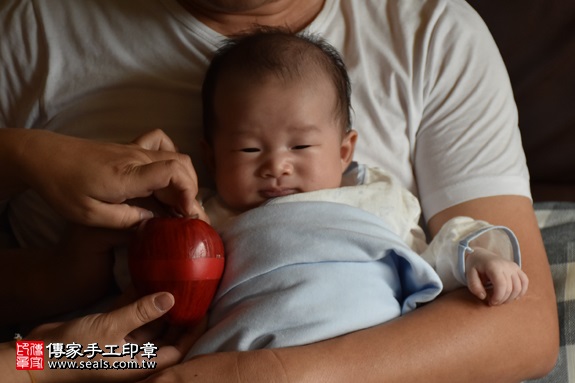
(11, 141)
(22, 156)
(454, 339)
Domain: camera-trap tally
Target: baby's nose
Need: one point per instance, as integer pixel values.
(276, 166)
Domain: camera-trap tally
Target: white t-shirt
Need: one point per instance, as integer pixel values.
(432, 100)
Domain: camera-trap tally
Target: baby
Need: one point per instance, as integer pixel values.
(316, 244)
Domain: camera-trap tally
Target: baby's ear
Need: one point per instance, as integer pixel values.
(347, 148)
(208, 155)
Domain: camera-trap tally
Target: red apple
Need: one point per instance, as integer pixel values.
(184, 256)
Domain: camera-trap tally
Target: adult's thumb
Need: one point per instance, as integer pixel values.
(142, 311)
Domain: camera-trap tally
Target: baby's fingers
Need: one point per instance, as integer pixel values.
(516, 287)
(475, 285)
(521, 284)
(502, 288)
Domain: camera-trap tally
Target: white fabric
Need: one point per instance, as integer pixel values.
(376, 191)
(432, 99)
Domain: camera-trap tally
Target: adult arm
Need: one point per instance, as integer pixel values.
(89, 182)
(454, 338)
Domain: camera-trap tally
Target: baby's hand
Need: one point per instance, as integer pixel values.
(484, 268)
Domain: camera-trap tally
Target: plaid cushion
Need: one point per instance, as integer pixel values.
(557, 223)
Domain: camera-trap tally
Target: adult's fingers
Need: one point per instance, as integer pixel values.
(146, 309)
(114, 216)
(158, 143)
(170, 181)
(155, 140)
(174, 183)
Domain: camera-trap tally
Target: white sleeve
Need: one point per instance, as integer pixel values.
(446, 252)
(468, 144)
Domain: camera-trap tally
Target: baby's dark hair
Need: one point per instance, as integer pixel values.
(281, 53)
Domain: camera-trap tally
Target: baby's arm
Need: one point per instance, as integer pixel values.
(483, 257)
(486, 270)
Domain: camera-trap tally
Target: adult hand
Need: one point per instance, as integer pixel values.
(89, 182)
(158, 141)
(114, 328)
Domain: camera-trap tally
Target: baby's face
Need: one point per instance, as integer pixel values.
(274, 139)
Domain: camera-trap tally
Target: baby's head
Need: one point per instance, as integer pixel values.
(277, 117)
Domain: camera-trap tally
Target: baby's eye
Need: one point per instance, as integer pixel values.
(249, 150)
(300, 147)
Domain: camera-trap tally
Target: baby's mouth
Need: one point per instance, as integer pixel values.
(277, 192)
